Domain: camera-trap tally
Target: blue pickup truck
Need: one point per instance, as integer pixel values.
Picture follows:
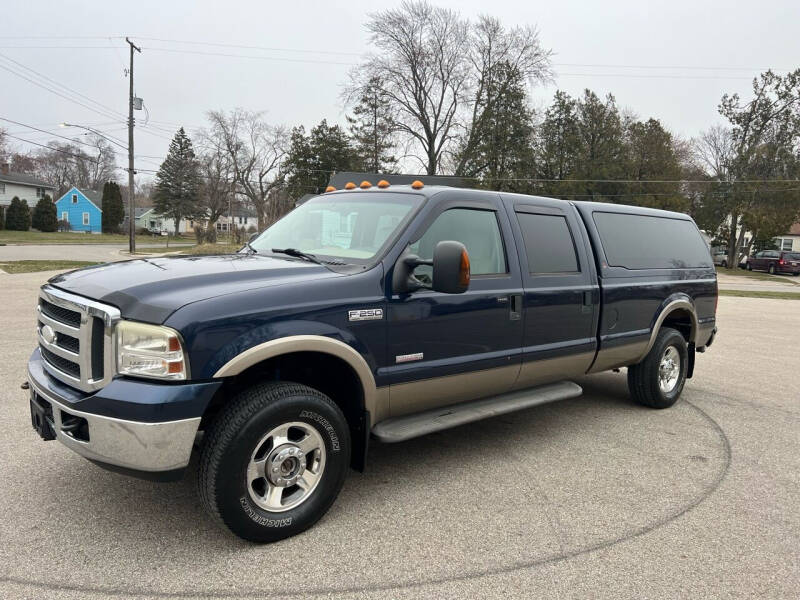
(374, 312)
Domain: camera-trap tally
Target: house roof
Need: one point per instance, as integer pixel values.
(93, 196)
(23, 179)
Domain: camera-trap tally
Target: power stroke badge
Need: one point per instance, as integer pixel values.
(365, 314)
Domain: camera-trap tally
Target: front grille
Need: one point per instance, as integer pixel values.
(75, 338)
(59, 313)
(62, 364)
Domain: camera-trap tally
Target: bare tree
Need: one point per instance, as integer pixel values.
(256, 151)
(219, 189)
(65, 164)
(422, 70)
(498, 58)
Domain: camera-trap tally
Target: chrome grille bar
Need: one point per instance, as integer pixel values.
(92, 314)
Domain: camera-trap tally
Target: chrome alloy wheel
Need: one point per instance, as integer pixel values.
(669, 369)
(286, 466)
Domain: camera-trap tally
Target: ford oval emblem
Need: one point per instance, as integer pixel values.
(48, 335)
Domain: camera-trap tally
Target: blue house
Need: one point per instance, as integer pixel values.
(81, 210)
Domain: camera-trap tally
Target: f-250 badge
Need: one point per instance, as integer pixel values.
(365, 314)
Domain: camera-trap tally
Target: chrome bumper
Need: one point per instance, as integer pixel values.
(137, 446)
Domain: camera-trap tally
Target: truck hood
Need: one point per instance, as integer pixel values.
(151, 289)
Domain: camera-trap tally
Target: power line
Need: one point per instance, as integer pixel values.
(76, 141)
(56, 92)
(246, 47)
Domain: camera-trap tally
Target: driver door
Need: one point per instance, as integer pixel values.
(450, 348)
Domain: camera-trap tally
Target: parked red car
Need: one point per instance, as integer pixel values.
(775, 261)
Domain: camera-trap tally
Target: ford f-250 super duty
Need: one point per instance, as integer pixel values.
(382, 312)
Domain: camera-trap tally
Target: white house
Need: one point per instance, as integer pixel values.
(789, 240)
(24, 187)
(240, 217)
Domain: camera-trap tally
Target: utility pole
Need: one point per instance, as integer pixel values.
(131, 211)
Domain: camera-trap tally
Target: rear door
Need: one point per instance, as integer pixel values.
(449, 348)
(560, 290)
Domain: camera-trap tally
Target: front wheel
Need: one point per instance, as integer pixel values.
(274, 460)
(749, 267)
(658, 380)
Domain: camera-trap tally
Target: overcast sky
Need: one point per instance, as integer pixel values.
(669, 60)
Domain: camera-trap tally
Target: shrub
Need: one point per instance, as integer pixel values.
(18, 217)
(252, 229)
(44, 215)
(211, 234)
(2, 217)
(113, 211)
(63, 225)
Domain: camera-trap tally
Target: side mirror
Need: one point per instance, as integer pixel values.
(450, 270)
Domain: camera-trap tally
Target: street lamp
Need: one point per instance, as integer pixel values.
(94, 131)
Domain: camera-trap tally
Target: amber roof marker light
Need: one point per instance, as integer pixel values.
(365, 185)
(383, 184)
(349, 185)
(417, 185)
(330, 188)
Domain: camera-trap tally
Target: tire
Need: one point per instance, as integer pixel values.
(297, 434)
(724, 264)
(644, 379)
(749, 267)
(771, 269)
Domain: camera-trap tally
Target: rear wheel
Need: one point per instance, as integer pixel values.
(274, 461)
(749, 267)
(658, 380)
(771, 269)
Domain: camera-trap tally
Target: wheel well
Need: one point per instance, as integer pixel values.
(680, 319)
(324, 372)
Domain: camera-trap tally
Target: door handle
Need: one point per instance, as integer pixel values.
(515, 308)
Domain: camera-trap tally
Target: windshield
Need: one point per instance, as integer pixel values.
(350, 227)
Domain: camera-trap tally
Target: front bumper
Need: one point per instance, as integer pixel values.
(124, 429)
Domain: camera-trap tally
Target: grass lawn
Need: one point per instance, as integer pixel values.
(757, 294)
(29, 266)
(756, 275)
(71, 237)
(211, 249)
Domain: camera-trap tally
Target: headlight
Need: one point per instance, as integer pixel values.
(149, 351)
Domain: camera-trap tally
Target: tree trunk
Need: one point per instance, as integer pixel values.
(732, 239)
(177, 227)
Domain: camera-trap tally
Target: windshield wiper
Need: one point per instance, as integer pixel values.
(298, 254)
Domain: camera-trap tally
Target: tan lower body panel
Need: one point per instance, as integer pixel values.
(621, 356)
(539, 372)
(416, 396)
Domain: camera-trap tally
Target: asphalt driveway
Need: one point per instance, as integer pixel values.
(592, 497)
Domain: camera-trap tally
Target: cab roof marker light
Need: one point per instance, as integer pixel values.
(330, 188)
(383, 184)
(349, 185)
(365, 185)
(417, 184)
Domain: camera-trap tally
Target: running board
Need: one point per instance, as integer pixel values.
(399, 429)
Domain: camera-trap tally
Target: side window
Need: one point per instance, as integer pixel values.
(478, 230)
(74, 198)
(548, 243)
(86, 218)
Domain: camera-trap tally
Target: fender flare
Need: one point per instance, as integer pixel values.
(306, 343)
(672, 306)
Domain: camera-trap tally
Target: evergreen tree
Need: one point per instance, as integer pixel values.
(177, 191)
(314, 157)
(2, 217)
(44, 215)
(371, 128)
(501, 149)
(18, 216)
(113, 210)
